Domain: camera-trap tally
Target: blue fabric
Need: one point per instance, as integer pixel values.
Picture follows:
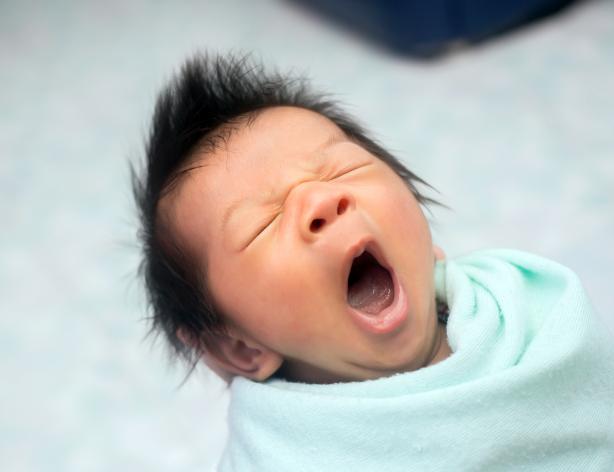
(529, 386)
(424, 28)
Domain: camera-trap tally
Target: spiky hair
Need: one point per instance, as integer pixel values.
(211, 91)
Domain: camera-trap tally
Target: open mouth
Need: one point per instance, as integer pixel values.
(370, 286)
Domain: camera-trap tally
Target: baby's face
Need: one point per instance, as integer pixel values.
(315, 250)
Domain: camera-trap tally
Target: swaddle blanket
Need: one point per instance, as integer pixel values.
(529, 387)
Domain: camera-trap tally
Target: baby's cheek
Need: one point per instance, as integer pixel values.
(395, 206)
(233, 285)
(257, 288)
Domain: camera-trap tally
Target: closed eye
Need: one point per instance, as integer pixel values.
(349, 170)
(261, 230)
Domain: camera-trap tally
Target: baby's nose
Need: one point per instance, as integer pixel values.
(322, 204)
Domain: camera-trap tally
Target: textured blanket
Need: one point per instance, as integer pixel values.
(529, 387)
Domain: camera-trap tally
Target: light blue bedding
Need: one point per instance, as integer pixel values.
(528, 387)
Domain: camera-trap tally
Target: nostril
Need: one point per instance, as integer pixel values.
(342, 206)
(317, 224)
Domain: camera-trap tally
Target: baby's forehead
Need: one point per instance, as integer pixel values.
(271, 148)
(287, 117)
(287, 131)
(250, 141)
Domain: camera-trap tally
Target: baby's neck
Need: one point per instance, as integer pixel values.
(441, 348)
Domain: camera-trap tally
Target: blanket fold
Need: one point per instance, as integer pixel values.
(529, 386)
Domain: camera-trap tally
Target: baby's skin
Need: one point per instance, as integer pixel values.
(317, 254)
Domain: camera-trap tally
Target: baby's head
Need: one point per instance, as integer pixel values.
(278, 238)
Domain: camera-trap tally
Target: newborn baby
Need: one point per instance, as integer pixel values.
(289, 251)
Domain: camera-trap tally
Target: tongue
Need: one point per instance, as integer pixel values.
(372, 292)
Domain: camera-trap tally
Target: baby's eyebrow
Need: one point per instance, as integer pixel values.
(318, 153)
(332, 139)
(229, 211)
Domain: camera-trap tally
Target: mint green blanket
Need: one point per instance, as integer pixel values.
(529, 387)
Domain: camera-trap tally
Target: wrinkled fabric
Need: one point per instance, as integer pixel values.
(529, 387)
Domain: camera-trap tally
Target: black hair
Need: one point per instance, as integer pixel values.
(210, 92)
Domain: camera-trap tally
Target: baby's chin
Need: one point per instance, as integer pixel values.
(437, 351)
(371, 366)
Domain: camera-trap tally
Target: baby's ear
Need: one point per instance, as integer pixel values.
(439, 253)
(234, 353)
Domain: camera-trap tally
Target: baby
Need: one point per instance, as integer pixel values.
(289, 251)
